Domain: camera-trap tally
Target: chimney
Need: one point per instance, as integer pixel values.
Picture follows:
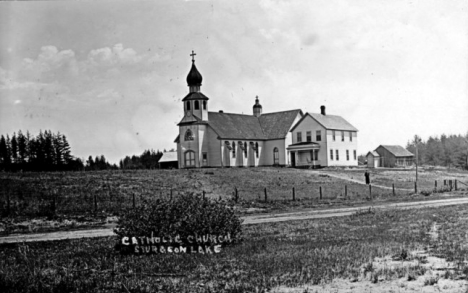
(322, 110)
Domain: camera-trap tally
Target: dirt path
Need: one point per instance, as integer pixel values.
(248, 220)
(360, 181)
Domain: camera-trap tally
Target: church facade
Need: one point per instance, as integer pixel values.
(218, 139)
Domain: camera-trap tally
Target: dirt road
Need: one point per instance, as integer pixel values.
(248, 220)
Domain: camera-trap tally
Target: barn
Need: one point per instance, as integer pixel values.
(394, 156)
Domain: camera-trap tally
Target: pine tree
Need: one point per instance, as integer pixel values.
(14, 149)
(22, 147)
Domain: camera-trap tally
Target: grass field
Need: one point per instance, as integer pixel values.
(104, 193)
(273, 257)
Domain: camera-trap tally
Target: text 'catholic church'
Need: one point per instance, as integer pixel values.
(288, 138)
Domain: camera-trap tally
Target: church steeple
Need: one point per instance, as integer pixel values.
(194, 78)
(257, 108)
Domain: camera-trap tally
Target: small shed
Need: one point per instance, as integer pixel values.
(373, 159)
(394, 156)
(168, 161)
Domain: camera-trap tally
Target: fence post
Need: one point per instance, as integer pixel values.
(415, 187)
(237, 194)
(393, 188)
(456, 187)
(435, 184)
(320, 192)
(294, 193)
(95, 203)
(370, 192)
(266, 196)
(346, 191)
(450, 184)
(133, 199)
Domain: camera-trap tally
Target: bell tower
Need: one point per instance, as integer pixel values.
(257, 108)
(195, 103)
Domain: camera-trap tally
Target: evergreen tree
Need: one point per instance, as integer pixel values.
(22, 147)
(14, 149)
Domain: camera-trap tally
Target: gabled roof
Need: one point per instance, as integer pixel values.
(168, 157)
(397, 150)
(177, 140)
(235, 126)
(277, 125)
(374, 153)
(329, 122)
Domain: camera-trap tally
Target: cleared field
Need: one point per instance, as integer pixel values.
(104, 193)
(368, 247)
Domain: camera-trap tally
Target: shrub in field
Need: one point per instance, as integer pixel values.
(186, 215)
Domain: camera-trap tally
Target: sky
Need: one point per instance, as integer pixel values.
(110, 75)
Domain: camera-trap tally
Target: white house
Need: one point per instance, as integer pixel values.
(218, 139)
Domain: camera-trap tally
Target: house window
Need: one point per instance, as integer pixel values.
(347, 155)
(355, 157)
(299, 137)
(337, 155)
(318, 136)
(204, 105)
(256, 149)
(188, 105)
(331, 155)
(275, 156)
(190, 159)
(188, 135)
(245, 149)
(342, 135)
(205, 159)
(197, 105)
(309, 136)
(333, 134)
(233, 149)
(350, 136)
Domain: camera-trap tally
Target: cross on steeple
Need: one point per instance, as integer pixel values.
(193, 56)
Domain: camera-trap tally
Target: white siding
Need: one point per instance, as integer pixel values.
(309, 124)
(341, 146)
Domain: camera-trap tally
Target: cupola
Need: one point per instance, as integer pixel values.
(257, 108)
(194, 78)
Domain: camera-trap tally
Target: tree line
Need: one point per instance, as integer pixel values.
(446, 150)
(45, 152)
(147, 160)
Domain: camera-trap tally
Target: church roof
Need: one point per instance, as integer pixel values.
(329, 122)
(239, 126)
(195, 96)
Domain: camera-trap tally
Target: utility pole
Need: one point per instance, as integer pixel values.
(417, 140)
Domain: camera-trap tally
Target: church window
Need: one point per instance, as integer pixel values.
(197, 105)
(309, 136)
(190, 159)
(188, 135)
(331, 155)
(233, 149)
(350, 136)
(275, 156)
(245, 149)
(204, 105)
(337, 155)
(256, 149)
(342, 135)
(318, 136)
(188, 105)
(347, 155)
(299, 137)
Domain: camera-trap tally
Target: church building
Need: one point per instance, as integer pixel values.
(287, 138)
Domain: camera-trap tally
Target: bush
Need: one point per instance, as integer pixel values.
(186, 215)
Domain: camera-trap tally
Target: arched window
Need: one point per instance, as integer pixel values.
(245, 149)
(190, 159)
(188, 135)
(197, 105)
(275, 156)
(188, 105)
(204, 105)
(233, 149)
(256, 149)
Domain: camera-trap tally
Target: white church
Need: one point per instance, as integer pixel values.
(287, 138)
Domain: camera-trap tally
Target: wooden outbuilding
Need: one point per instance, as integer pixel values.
(394, 156)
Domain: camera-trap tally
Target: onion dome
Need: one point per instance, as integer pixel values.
(257, 103)
(194, 77)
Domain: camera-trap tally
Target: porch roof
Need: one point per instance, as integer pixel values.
(303, 146)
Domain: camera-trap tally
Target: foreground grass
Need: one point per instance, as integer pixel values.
(287, 253)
